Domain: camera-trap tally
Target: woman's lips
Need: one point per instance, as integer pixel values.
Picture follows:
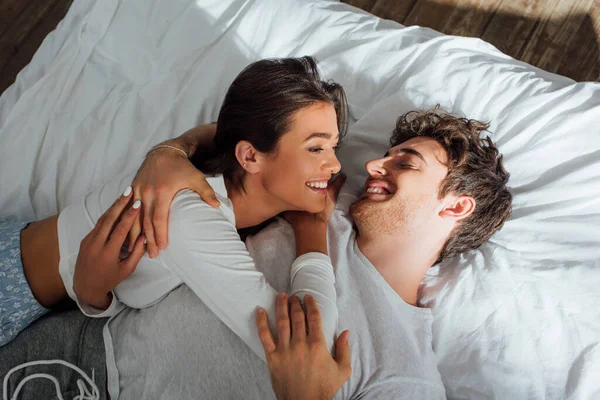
(319, 187)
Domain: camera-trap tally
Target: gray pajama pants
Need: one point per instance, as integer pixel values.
(67, 335)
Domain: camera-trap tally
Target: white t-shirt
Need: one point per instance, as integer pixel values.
(178, 349)
(206, 253)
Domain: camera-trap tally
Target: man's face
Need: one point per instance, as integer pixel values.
(401, 193)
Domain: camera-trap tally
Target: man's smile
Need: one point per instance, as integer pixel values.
(378, 188)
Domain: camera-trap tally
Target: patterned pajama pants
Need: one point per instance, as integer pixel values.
(18, 307)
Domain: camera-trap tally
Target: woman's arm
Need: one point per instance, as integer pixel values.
(200, 137)
(99, 267)
(206, 253)
(310, 231)
(163, 173)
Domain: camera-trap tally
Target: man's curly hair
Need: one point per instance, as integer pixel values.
(474, 169)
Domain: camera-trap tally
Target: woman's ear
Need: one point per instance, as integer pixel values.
(247, 156)
(458, 208)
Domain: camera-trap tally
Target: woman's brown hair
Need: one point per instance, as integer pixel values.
(259, 108)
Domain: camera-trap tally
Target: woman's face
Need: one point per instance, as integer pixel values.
(297, 174)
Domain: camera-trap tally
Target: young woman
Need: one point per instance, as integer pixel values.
(274, 151)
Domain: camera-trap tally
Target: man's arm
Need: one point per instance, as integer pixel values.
(163, 173)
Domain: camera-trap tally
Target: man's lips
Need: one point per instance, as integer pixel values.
(379, 187)
(376, 190)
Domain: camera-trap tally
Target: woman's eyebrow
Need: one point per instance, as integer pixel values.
(322, 135)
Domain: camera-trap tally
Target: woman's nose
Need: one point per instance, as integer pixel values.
(333, 164)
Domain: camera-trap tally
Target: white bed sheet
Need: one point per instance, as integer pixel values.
(518, 318)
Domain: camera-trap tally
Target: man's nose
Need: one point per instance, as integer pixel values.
(375, 167)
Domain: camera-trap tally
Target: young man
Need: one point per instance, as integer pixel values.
(438, 191)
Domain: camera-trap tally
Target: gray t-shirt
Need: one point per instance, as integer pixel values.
(178, 349)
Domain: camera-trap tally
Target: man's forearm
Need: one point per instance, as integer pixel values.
(200, 137)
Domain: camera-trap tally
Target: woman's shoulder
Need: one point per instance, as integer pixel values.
(188, 208)
(188, 201)
(195, 224)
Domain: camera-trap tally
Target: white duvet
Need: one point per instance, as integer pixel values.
(519, 318)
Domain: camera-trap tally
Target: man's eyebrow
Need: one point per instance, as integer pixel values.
(408, 150)
(322, 135)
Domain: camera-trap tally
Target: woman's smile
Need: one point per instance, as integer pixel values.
(319, 187)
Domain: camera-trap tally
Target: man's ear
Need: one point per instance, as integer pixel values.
(248, 157)
(458, 207)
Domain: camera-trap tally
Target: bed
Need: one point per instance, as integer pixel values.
(518, 318)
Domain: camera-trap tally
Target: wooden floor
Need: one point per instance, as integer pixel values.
(560, 36)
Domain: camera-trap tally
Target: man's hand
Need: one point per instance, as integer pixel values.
(163, 173)
(299, 362)
(99, 268)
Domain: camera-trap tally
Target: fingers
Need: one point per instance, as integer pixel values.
(264, 333)
(283, 320)
(130, 263)
(136, 228)
(160, 220)
(119, 233)
(336, 185)
(135, 231)
(313, 318)
(206, 191)
(107, 220)
(342, 354)
(298, 318)
(147, 225)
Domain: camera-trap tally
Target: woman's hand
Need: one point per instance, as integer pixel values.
(333, 190)
(310, 229)
(300, 365)
(163, 173)
(99, 268)
(296, 218)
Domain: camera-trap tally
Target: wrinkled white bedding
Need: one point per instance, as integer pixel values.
(519, 318)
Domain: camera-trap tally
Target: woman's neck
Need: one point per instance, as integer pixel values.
(252, 205)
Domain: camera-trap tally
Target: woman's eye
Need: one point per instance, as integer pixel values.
(315, 149)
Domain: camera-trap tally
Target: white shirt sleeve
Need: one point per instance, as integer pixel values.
(93, 312)
(312, 273)
(206, 252)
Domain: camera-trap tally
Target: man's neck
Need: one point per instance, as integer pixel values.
(402, 262)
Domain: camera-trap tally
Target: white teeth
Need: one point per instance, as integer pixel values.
(318, 185)
(376, 190)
